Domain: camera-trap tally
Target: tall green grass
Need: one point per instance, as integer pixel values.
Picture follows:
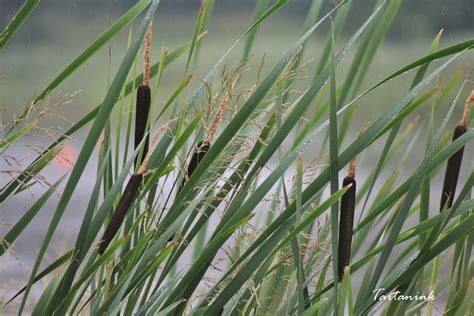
(228, 231)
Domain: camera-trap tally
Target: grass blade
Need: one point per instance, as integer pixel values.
(102, 115)
(20, 17)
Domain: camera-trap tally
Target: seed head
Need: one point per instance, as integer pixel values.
(147, 55)
(467, 110)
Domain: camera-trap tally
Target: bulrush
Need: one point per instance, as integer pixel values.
(346, 220)
(141, 119)
(201, 150)
(143, 100)
(127, 198)
(123, 206)
(203, 146)
(454, 163)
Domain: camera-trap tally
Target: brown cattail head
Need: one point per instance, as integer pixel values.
(121, 211)
(201, 150)
(454, 163)
(141, 118)
(346, 223)
(452, 172)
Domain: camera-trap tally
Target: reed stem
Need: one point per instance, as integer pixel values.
(143, 101)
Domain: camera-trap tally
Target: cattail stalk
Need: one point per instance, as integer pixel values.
(143, 100)
(123, 206)
(454, 163)
(346, 224)
(201, 150)
(141, 119)
(346, 219)
(203, 146)
(127, 198)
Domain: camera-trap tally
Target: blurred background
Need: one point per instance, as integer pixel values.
(59, 30)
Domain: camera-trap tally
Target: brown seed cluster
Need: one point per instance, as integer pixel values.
(142, 112)
(346, 224)
(346, 219)
(121, 211)
(453, 166)
(143, 103)
(201, 150)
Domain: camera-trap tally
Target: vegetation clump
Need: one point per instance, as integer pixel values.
(215, 172)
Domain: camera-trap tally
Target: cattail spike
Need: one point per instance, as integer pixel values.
(353, 163)
(144, 98)
(147, 55)
(346, 223)
(453, 166)
(121, 211)
(452, 172)
(467, 110)
(201, 150)
(346, 220)
(352, 168)
(141, 118)
(128, 196)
